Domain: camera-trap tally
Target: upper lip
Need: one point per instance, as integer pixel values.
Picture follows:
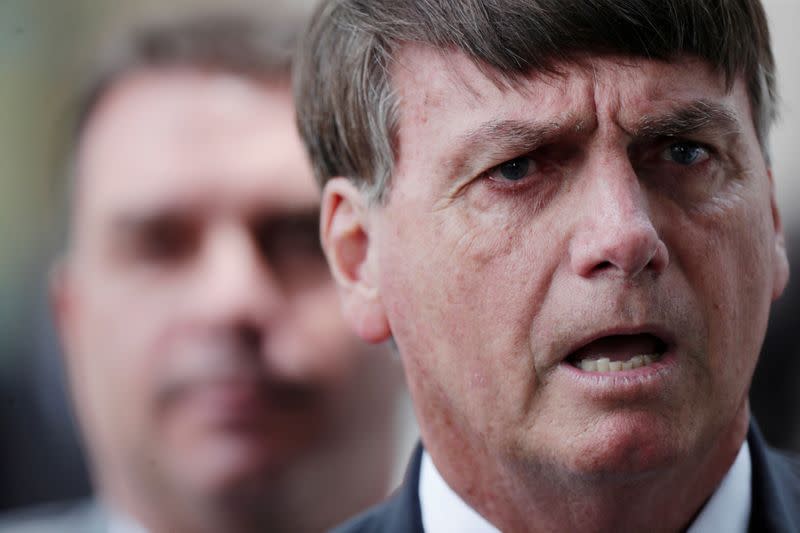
(656, 330)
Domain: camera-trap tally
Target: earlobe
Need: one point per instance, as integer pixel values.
(346, 241)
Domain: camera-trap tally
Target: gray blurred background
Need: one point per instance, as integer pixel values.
(45, 50)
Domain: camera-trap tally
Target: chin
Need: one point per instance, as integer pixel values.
(229, 464)
(624, 448)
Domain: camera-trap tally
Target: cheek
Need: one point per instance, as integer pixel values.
(725, 253)
(313, 332)
(118, 349)
(460, 288)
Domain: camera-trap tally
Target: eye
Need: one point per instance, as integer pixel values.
(289, 236)
(290, 245)
(164, 239)
(513, 170)
(685, 153)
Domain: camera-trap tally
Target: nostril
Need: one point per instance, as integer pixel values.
(627, 253)
(604, 265)
(249, 336)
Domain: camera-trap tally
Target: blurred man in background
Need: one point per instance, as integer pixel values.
(216, 385)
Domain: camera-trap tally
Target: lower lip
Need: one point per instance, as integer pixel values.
(635, 383)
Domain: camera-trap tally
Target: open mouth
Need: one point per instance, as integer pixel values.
(619, 353)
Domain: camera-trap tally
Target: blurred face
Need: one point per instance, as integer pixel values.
(205, 345)
(577, 271)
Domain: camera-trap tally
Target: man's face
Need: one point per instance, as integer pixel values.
(201, 322)
(538, 238)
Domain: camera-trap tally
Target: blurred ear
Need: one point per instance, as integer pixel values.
(64, 310)
(780, 276)
(61, 304)
(346, 240)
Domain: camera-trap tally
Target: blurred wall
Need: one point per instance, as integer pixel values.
(783, 15)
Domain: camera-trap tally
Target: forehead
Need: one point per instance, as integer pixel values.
(205, 137)
(443, 94)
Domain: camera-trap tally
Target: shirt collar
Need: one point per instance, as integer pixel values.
(442, 509)
(729, 506)
(121, 523)
(728, 509)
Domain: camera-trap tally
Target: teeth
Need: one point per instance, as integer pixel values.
(604, 364)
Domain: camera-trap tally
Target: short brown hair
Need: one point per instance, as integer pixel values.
(348, 112)
(229, 42)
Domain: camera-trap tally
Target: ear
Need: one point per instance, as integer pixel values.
(61, 304)
(780, 275)
(64, 309)
(345, 233)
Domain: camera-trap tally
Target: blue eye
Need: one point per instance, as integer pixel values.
(685, 153)
(513, 169)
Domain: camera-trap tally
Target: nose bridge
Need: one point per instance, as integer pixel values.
(235, 284)
(621, 201)
(616, 232)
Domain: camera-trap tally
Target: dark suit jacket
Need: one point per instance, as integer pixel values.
(775, 501)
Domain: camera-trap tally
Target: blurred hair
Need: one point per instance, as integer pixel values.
(348, 113)
(244, 45)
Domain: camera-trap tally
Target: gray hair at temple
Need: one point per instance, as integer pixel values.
(347, 111)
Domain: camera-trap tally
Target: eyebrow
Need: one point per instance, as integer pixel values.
(128, 222)
(133, 229)
(508, 133)
(134, 222)
(499, 139)
(696, 116)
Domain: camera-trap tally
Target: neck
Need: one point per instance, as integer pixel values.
(162, 512)
(670, 498)
(245, 510)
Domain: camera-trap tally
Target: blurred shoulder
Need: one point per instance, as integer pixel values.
(84, 516)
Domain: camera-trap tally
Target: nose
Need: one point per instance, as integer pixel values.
(235, 286)
(616, 235)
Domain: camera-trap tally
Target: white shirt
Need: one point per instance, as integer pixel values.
(119, 523)
(443, 511)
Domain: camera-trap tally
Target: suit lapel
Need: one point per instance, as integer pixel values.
(403, 514)
(776, 487)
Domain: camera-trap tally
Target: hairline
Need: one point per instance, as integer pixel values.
(377, 192)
